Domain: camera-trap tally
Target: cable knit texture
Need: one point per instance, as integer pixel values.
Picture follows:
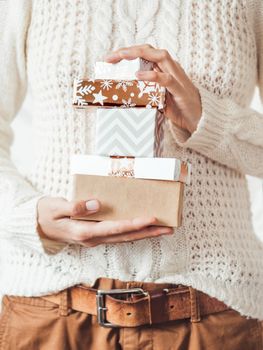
(46, 44)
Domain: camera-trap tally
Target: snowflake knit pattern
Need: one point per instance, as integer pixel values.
(45, 45)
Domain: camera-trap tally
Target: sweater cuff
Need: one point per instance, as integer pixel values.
(22, 227)
(211, 128)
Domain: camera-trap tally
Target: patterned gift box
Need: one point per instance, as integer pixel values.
(121, 93)
(123, 70)
(129, 132)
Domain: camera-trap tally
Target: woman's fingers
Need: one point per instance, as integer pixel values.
(63, 208)
(159, 56)
(184, 107)
(120, 226)
(54, 223)
(149, 232)
(144, 51)
(164, 79)
(115, 56)
(87, 230)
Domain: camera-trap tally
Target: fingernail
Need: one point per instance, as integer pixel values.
(92, 205)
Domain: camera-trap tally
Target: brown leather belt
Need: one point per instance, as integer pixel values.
(134, 307)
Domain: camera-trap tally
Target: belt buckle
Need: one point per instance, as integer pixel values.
(101, 307)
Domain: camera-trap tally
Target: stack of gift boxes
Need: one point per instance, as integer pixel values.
(126, 173)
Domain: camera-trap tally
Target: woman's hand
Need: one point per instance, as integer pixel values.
(183, 100)
(54, 223)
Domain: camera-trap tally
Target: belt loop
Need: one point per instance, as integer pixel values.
(64, 309)
(150, 307)
(195, 308)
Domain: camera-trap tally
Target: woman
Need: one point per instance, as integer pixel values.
(209, 55)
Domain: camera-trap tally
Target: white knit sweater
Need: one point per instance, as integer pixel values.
(45, 44)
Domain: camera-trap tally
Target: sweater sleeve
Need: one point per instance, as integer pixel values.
(18, 199)
(228, 133)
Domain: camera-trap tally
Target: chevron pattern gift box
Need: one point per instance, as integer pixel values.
(129, 132)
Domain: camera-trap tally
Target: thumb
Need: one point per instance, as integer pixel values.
(79, 208)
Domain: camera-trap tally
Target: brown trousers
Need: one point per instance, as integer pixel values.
(32, 323)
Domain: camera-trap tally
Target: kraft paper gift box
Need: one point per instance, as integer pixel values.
(123, 70)
(129, 132)
(121, 93)
(123, 196)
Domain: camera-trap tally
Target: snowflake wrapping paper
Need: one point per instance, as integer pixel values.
(120, 93)
(129, 132)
